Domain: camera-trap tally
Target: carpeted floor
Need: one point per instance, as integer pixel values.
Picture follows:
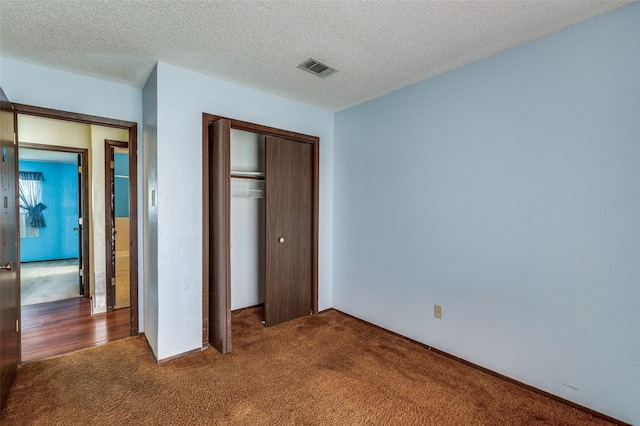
(327, 369)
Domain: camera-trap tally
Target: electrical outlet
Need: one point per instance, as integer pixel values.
(437, 311)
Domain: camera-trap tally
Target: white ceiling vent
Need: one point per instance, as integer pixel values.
(316, 67)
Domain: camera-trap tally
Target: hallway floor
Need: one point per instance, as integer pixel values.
(122, 287)
(63, 326)
(48, 281)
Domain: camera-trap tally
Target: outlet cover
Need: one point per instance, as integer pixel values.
(437, 311)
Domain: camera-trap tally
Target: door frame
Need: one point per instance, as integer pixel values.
(86, 254)
(132, 128)
(110, 217)
(218, 220)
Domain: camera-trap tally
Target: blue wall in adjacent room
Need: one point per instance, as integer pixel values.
(121, 163)
(57, 240)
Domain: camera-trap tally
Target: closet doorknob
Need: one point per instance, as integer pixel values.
(281, 240)
(7, 267)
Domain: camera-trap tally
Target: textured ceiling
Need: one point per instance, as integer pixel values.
(377, 46)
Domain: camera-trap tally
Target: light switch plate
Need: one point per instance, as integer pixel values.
(437, 311)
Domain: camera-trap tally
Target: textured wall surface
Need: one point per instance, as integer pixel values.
(507, 192)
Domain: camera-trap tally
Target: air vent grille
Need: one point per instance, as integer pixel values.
(317, 68)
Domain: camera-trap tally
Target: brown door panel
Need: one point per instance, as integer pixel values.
(9, 277)
(289, 229)
(220, 240)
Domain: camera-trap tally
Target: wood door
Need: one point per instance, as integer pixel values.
(110, 219)
(9, 279)
(219, 236)
(289, 229)
(109, 207)
(80, 230)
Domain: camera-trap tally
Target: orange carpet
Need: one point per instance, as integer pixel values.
(327, 369)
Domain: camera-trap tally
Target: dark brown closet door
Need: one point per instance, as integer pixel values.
(289, 229)
(219, 237)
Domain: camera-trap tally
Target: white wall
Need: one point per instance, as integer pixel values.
(150, 210)
(50, 88)
(506, 191)
(182, 98)
(247, 221)
(247, 251)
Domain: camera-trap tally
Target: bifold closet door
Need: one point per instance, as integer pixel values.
(219, 238)
(289, 229)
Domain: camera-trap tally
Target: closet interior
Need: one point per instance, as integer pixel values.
(247, 219)
(260, 220)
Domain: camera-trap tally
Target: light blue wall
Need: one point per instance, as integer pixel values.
(51, 88)
(150, 212)
(57, 240)
(121, 196)
(30, 84)
(182, 97)
(506, 191)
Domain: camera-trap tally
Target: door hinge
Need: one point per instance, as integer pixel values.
(79, 169)
(17, 326)
(15, 138)
(113, 282)
(112, 164)
(79, 221)
(82, 272)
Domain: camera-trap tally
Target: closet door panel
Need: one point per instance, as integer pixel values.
(219, 238)
(289, 229)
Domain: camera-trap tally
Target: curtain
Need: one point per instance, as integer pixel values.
(27, 231)
(31, 198)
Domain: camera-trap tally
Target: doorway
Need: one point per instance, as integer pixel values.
(92, 324)
(54, 248)
(289, 185)
(117, 223)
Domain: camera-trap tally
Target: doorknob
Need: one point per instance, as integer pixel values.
(75, 229)
(7, 267)
(281, 240)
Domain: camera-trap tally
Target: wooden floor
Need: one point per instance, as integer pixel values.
(55, 328)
